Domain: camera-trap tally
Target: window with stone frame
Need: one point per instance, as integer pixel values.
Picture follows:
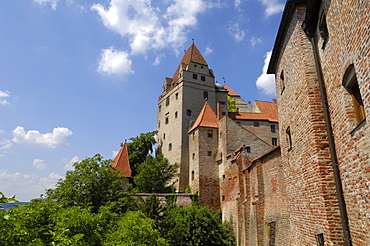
(169, 146)
(167, 101)
(351, 85)
(210, 133)
(274, 141)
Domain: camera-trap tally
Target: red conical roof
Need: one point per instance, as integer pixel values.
(206, 118)
(122, 163)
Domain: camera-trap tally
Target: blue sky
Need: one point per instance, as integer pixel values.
(78, 77)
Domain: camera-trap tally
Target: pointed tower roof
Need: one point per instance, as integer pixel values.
(122, 163)
(191, 55)
(206, 118)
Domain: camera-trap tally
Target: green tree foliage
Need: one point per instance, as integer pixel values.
(134, 228)
(194, 226)
(231, 105)
(154, 175)
(139, 148)
(92, 183)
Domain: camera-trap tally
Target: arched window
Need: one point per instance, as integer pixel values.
(170, 147)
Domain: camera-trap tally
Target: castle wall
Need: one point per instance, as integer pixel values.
(304, 146)
(264, 130)
(348, 24)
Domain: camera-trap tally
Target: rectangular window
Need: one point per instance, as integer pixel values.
(192, 175)
(195, 76)
(202, 78)
(248, 149)
(166, 121)
(177, 96)
(351, 84)
(205, 94)
(210, 133)
(209, 153)
(167, 101)
(256, 124)
(274, 141)
(272, 127)
(188, 112)
(159, 108)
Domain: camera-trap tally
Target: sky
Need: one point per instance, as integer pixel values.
(78, 77)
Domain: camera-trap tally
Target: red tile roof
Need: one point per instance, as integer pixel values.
(122, 163)
(206, 118)
(191, 55)
(268, 112)
(230, 91)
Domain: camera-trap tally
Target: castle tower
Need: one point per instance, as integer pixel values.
(203, 168)
(182, 99)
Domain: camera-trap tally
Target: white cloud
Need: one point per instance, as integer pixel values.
(147, 27)
(236, 32)
(266, 82)
(4, 94)
(26, 186)
(158, 59)
(39, 164)
(49, 140)
(5, 144)
(114, 153)
(272, 7)
(53, 3)
(208, 51)
(237, 3)
(113, 62)
(69, 165)
(254, 41)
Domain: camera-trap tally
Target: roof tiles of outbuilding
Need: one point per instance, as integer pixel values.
(122, 163)
(206, 118)
(268, 111)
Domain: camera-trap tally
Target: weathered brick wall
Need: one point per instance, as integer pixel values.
(349, 43)
(307, 167)
(266, 202)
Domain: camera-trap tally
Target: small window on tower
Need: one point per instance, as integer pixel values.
(272, 127)
(170, 147)
(166, 120)
(159, 108)
(248, 149)
(177, 96)
(164, 135)
(175, 114)
(167, 101)
(209, 153)
(193, 156)
(195, 76)
(188, 112)
(256, 124)
(210, 133)
(274, 141)
(202, 78)
(192, 175)
(159, 124)
(289, 138)
(205, 94)
(282, 82)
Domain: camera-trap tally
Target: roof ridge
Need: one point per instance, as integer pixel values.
(206, 118)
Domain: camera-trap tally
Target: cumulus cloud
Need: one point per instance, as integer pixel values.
(39, 164)
(52, 140)
(147, 27)
(272, 7)
(26, 186)
(113, 62)
(236, 32)
(69, 165)
(2, 95)
(52, 3)
(266, 82)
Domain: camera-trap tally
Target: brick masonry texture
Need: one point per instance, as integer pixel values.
(313, 205)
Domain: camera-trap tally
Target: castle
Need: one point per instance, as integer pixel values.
(311, 189)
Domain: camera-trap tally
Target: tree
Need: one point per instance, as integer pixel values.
(231, 105)
(193, 226)
(92, 183)
(154, 175)
(134, 228)
(139, 148)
